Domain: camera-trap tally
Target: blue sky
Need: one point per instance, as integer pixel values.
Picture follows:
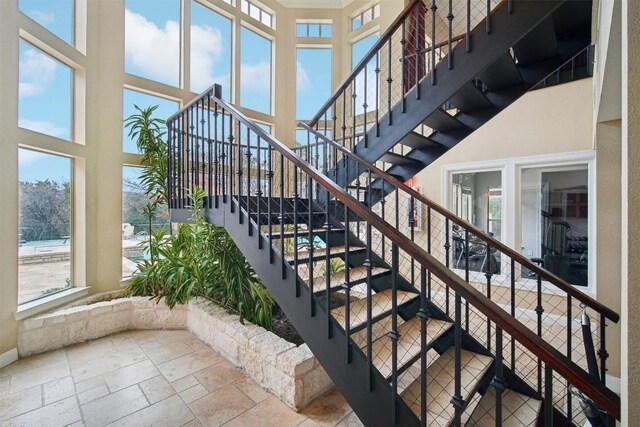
(358, 51)
(37, 166)
(313, 81)
(45, 96)
(255, 71)
(54, 15)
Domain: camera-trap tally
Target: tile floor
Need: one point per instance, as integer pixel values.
(148, 378)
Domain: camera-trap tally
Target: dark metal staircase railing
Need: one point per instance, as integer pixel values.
(406, 319)
(549, 306)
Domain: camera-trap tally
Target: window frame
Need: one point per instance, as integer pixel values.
(511, 169)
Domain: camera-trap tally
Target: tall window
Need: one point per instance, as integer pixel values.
(131, 98)
(368, 75)
(555, 220)
(152, 40)
(55, 15)
(135, 223)
(255, 71)
(45, 93)
(313, 81)
(477, 197)
(45, 232)
(210, 50)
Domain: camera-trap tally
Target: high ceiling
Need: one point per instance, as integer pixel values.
(315, 4)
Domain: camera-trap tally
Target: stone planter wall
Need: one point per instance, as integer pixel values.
(289, 372)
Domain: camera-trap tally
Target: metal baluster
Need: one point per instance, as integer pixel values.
(393, 334)
(364, 108)
(603, 353)
(270, 201)
(248, 168)
(456, 399)
(196, 135)
(383, 202)
(447, 247)
(513, 312)
(346, 286)
(403, 82)
(487, 274)
(539, 311)
(327, 260)
(209, 152)
(281, 218)
(417, 30)
(389, 83)
(230, 170)
(449, 41)
(368, 266)
(498, 382)
(344, 120)
(224, 157)
(204, 164)
(423, 314)
(259, 190)
(466, 274)
(488, 17)
(377, 71)
(354, 96)
(429, 250)
(468, 32)
(548, 395)
(312, 303)
(170, 164)
(295, 226)
(434, 9)
(239, 172)
(569, 352)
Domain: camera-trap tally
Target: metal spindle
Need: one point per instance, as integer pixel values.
(488, 275)
(456, 399)
(270, 202)
(259, 189)
(548, 395)
(327, 260)
(281, 217)
(403, 83)
(498, 382)
(450, 37)
(393, 334)
(295, 226)
(434, 9)
(389, 83)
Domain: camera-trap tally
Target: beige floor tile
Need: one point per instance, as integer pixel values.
(193, 423)
(194, 393)
(166, 413)
(58, 390)
(34, 362)
(60, 413)
(164, 352)
(111, 362)
(144, 337)
(184, 383)
(221, 406)
(5, 383)
(270, 412)
(219, 375)
(123, 341)
(91, 383)
(19, 403)
(189, 364)
(350, 420)
(328, 410)
(157, 389)
(82, 352)
(130, 375)
(308, 423)
(172, 335)
(114, 406)
(195, 344)
(251, 389)
(93, 394)
(33, 377)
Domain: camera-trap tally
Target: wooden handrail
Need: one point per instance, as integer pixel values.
(365, 60)
(550, 277)
(598, 393)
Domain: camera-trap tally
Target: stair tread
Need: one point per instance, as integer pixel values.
(380, 304)
(303, 254)
(302, 233)
(469, 99)
(356, 274)
(539, 45)
(441, 385)
(442, 121)
(397, 159)
(408, 344)
(415, 140)
(501, 74)
(517, 409)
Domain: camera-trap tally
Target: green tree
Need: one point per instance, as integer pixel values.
(44, 210)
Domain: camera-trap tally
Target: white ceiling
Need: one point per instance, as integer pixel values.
(315, 4)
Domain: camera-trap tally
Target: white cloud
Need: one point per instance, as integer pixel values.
(29, 157)
(302, 77)
(43, 18)
(47, 128)
(256, 77)
(37, 71)
(206, 52)
(152, 50)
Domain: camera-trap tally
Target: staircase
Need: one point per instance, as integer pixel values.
(465, 78)
(410, 332)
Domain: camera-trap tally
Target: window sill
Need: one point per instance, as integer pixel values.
(47, 303)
